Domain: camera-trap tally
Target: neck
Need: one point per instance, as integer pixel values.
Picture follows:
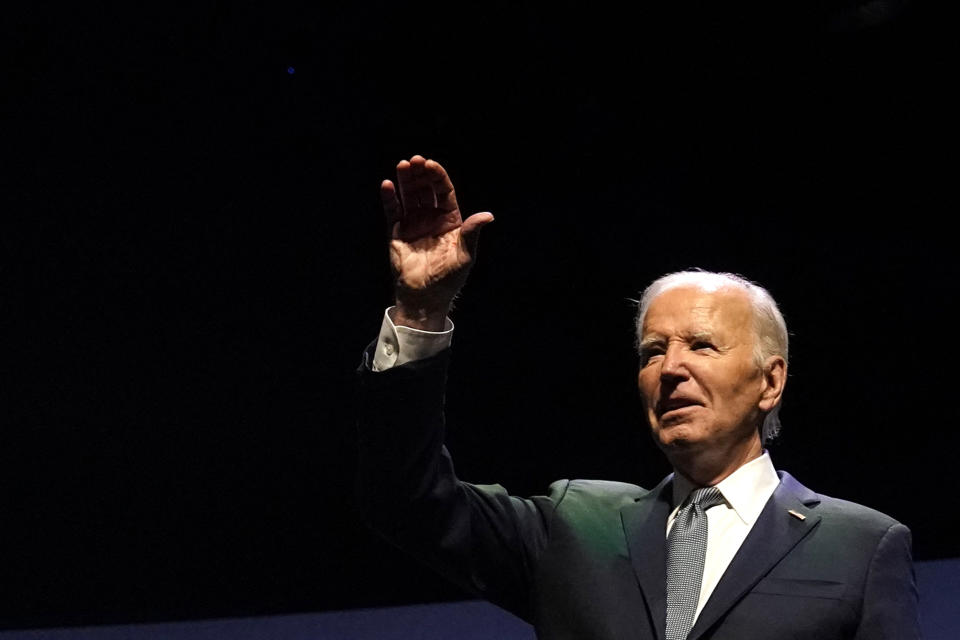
(708, 468)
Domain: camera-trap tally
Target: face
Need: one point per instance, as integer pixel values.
(700, 383)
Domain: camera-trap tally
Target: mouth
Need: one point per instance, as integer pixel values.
(676, 404)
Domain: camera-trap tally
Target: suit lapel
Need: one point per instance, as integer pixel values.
(774, 534)
(645, 526)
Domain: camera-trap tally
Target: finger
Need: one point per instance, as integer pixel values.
(470, 231)
(391, 205)
(442, 186)
(423, 188)
(405, 182)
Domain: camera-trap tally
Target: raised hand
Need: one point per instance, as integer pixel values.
(431, 247)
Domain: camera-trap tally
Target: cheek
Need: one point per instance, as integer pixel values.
(740, 390)
(647, 384)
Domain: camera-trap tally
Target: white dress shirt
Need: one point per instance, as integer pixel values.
(399, 345)
(745, 491)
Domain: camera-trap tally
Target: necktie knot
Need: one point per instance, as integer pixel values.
(705, 497)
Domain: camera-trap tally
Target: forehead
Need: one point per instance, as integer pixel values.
(690, 309)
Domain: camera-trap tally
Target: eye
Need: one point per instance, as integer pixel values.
(699, 345)
(649, 353)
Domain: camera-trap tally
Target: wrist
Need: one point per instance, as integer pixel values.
(424, 319)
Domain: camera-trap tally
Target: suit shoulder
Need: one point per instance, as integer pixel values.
(836, 511)
(853, 514)
(598, 493)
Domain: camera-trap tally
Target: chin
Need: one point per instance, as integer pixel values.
(680, 437)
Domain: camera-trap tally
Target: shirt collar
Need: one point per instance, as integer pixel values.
(746, 490)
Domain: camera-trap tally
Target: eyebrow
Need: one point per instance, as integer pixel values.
(657, 339)
(646, 343)
(686, 335)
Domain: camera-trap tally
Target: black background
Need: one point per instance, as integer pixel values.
(193, 260)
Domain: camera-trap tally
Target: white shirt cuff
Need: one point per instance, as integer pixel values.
(399, 345)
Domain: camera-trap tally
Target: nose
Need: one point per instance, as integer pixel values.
(674, 366)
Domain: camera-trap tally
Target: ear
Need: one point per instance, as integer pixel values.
(774, 380)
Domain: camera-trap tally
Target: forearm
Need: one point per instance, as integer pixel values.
(479, 537)
(400, 432)
(407, 487)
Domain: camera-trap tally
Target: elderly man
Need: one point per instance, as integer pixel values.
(724, 548)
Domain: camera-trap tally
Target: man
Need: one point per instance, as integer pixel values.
(723, 548)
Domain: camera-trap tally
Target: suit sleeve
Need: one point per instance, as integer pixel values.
(890, 600)
(478, 536)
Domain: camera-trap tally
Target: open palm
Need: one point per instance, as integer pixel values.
(431, 247)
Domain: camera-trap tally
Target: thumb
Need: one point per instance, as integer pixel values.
(470, 230)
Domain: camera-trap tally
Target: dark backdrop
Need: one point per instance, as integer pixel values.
(193, 260)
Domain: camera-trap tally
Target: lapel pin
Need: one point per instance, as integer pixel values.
(797, 514)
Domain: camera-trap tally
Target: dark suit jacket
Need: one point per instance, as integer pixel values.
(588, 559)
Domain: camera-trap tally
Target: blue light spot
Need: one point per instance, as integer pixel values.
(291, 70)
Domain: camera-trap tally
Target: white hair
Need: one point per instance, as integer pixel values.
(770, 328)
